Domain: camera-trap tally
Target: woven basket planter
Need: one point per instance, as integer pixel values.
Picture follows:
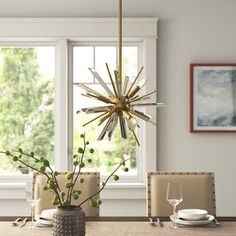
(69, 221)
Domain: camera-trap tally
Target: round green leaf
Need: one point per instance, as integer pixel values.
(66, 203)
(55, 202)
(93, 203)
(68, 185)
(75, 196)
(76, 163)
(81, 165)
(42, 168)
(62, 194)
(46, 162)
(80, 150)
(115, 177)
(99, 202)
(45, 188)
(69, 175)
(8, 153)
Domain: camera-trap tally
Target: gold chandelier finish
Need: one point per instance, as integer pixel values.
(121, 101)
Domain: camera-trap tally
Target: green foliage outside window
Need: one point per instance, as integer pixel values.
(26, 105)
(107, 153)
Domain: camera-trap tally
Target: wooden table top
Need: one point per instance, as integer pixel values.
(127, 228)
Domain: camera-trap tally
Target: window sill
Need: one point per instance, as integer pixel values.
(124, 191)
(15, 177)
(111, 191)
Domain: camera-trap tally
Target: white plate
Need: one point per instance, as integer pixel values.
(48, 213)
(43, 222)
(192, 214)
(209, 219)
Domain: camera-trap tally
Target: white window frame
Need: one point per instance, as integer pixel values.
(140, 151)
(60, 32)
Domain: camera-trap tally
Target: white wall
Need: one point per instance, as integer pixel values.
(189, 31)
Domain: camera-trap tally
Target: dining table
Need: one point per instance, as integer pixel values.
(126, 227)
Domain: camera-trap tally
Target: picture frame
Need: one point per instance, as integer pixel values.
(213, 98)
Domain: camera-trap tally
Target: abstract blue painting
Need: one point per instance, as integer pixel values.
(213, 97)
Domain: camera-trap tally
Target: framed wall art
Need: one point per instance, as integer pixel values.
(212, 98)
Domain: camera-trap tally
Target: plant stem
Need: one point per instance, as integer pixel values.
(104, 183)
(33, 168)
(69, 196)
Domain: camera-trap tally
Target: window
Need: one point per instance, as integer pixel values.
(95, 55)
(27, 75)
(98, 37)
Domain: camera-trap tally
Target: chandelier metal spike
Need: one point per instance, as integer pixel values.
(122, 100)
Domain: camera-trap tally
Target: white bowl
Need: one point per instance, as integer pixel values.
(192, 214)
(48, 214)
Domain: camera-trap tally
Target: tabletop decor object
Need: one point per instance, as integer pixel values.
(32, 200)
(212, 98)
(174, 196)
(68, 219)
(179, 222)
(121, 100)
(193, 214)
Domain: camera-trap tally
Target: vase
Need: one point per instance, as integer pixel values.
(69, 221)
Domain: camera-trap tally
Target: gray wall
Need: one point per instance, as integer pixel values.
(189, 31)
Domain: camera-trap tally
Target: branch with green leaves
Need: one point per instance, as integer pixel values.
(61, 198)
(95, 203)
(51, 181)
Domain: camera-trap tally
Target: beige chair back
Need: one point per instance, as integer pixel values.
(198, 192)
(90, 186)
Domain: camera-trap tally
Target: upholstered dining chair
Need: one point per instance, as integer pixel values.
(90, 186)
(198, 192)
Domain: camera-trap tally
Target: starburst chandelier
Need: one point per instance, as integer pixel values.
(121, 101)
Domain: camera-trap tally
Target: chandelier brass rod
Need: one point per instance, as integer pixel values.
(122, 126)
(141, 115)
(135, 119)
(134, 80)
(140, 98)
(104, 118)
(153, 122)
(95, 119)
(102, 134)
(114, 123)
(90, 110)
(112, 82)
(83, 86)
(120, 42)
(125, 84)
(101, 81)
(136, 138)
(116, 73)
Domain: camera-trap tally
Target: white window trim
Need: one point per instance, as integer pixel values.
(61, 31)
(142, 130)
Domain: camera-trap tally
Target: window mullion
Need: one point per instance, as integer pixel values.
(61, 101)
